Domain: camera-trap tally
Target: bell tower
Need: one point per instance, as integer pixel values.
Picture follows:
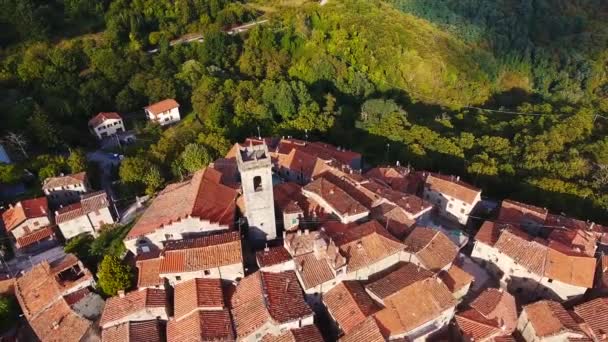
(255, 168)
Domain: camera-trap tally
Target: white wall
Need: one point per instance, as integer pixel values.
(33, 224)
(90, 223)
(228, 272)
(165, 118)
(365, 272)
(451, 208)
(278, 268)
(529, 334)
(109, 127)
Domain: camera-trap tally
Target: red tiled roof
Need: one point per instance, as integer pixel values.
(135, 331)
(593, 313)
(149, 273)
(248, 306)
(299, 161)
(499, 305)
(284, 296)
(88, 204)
(353, 187)
(367, 331)
(201, 253)
(432, 248)
(59, 323)
(349, 304)
(456, 278)
(204, 325)
(196, 294)
(162, 106)
(118, 307)
(576, 240)
(272, 256)
(313, 271)
(26, 209)
(529, 253)
(549, 318)
(515, 212)
(35, 236)
(397, 177)
(489, 232)
(337, 198)
(570, 269)
(201, 197)
(475, 326)
(394, 219)
(103, 116)
(58, 182)
(402, 277)
(308, 333)
(451, 186)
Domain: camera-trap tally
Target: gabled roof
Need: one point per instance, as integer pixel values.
(135, 331)
(432, 248)
(453, 187)
(514, 212)
(394, 218)
(394, 176)
(272, 256)
(148, 273)
(89, 203)
(497, 305)
(58, 182)
(397, 280)
(35, 236)
(576, 240)
(367, 330)
(202, 197)
(549, 318)
(456, 278)
(300, 161)
(120, 307)
(60, 323)
(308, 333)
(195, 294)
(24, 210)
(204, 325)
(490, 231)
(162, 106)
(593, 313)
(201, 253)
(312, 270)
(103, 116)
(338, 199)
(349, 305)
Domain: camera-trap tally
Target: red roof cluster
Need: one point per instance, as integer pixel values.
(120, 307)
(24, 210)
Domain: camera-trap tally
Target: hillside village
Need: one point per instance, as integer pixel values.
(293, 240)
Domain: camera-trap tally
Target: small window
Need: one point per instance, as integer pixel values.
(462, 211)
(550, 280)
(178, 278)
(294, 221)
(168, 236)
(257, 183)
(36, 224)
(450, 205)
(207, 272)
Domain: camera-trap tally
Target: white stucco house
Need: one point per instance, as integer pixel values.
(29, 222)
(164, 112)
(106, 124)
(453, 198)
(66, 189)
(86, 216)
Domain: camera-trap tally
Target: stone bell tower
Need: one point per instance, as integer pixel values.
(255, 168)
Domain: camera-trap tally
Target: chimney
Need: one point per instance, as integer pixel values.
(56, 213)
(55, 325)
(286, 285)
(457, 178)
(299, 232)
(300, 266)
(306, 231)
(266, 249)
(121, 293)
(43, 210)
(500, 290)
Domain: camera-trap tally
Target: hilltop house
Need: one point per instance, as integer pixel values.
(29, 222)
(164, 112)
(66, 189)
(453, 198)
(106, 124)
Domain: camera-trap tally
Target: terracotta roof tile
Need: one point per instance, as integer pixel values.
(119, 307)
(201, 253)
(394, 218)
(432, 248)
(59, 323)
(136, 331)
(367, 330)
(453, 187)
(204, 325)
(35, 236)
(549, 318)
(162, 106)
(394, 176)
(456, 278)
(349, 304)
(516, 212)
(476, 327)
(499, 305)
(23, 210)
(530, 254)
(58, 182)
(312, 270)
(248, 306)
(337, 198)
(202, 197)
(402, 277)
(103, 116)
(603, 272)
(577, 240)
(148, 274)
(593, 313)
(414, 305)
(308, 333)
(299, 161)
(284, 296)
(353, 188)
(89, 203)
(569, 269)
(197, 294)
(489, 232)
(272, 256)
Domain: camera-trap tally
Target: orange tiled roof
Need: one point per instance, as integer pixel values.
(515, 212)
(59, 323)
(58, 182)
(308, 333)
(549, 318)
(456, 278)
(570, 269)
(300, 161)
(35, 236)
(593, 313)
(272, 256)
(103, 116)
(204, 325)
(134, 331)
(89, 203)
(202, 197)
(577, 240)
(162, 106)
(452, 186)
(432, 248)
(414, 305)
(394, 218)
(201, 253)
(499, 305)
(119, 307)
(337, 198)
(248, 306)
(489, 232)
(196, 294)
(529, 253)
(23, 210)
(402, 277)
(349, 304)
(475, 326)
(149, 273)
(312, 270)
(367, 330)
(394, 176)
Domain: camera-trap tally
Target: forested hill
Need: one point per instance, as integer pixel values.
(395, 79)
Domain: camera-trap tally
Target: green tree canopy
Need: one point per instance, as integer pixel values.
(113, 275)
